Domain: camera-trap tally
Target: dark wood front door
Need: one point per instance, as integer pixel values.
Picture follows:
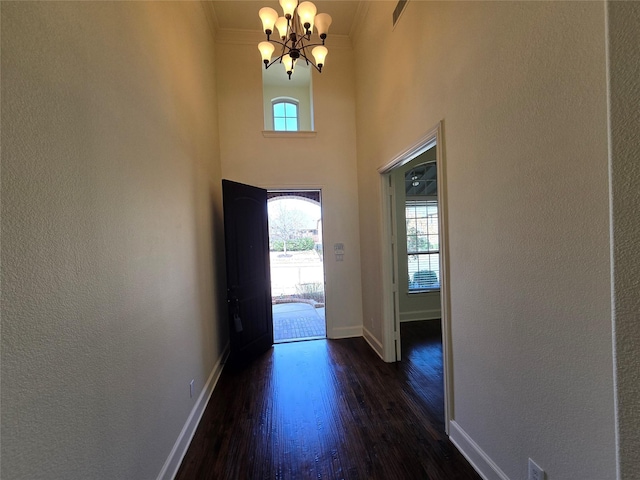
(246, 235)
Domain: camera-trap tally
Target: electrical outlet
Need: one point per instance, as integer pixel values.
(191, 388)
(535, 472)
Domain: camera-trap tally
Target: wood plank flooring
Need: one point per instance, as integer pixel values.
(330, 409)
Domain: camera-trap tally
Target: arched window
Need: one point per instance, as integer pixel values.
(285, 114)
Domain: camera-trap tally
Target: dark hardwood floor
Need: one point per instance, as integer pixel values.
(330, 409)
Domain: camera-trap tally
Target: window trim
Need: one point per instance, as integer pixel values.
(284, 101)
(433, 201)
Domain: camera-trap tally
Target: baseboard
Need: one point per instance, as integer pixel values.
(171, 466)
(373, 342)
(417, 315)
(480, 461)
(346, 332)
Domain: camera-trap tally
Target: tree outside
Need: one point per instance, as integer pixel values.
(297, 273)
(287, 225)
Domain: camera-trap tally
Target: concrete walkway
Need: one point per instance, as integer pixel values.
(297, 321)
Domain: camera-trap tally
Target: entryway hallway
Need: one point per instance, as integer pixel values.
(330, 409)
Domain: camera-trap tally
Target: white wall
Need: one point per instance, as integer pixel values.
(110, 234)
(624, 115)
(520, 87)
(326, 161)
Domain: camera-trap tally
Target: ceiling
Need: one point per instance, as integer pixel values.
(243, 15)
(421, 180)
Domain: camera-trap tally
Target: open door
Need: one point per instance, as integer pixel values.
(246, 235)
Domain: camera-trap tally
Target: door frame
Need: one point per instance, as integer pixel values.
(318, 188)
(391, 308)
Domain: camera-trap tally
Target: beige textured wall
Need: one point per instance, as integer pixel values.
(624, 110)
(521, 89)
(110, 197)
(326, 161)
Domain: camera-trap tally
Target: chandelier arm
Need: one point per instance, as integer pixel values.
(303, 52)
(315, 66)
(277, 59)
(284, 50)
(303, 38)
(309, 61)
(307, 45)
(278, 42)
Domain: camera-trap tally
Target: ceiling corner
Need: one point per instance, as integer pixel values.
(212, 18)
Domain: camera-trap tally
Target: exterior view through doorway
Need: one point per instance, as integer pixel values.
(297, 268)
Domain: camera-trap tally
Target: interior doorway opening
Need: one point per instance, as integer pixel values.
(297, 265)
(393, 279)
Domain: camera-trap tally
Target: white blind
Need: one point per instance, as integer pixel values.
(423, 245)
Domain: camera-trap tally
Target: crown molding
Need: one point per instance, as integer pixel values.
(253, 37)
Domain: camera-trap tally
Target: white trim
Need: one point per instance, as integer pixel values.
(418, 315)
(373, 342)
(172, 464)
(346, 332)
(478, 459)
(289, 134)
(390, 303)
(310, 188)
(298, 187)
(425, 142)
(445, 298)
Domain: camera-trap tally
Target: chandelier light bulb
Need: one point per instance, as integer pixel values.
(307, 12)
(289, 64)
(288, 6)
(323, 21)
(319, 53)
(268, 16)
(266, 49)
(281, 25)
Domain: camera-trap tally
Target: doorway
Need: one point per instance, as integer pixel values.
(297, 265)
(392, 281)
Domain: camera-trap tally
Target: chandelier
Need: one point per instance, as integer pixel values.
(295, 29)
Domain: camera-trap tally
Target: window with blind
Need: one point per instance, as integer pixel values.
(423, 245)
